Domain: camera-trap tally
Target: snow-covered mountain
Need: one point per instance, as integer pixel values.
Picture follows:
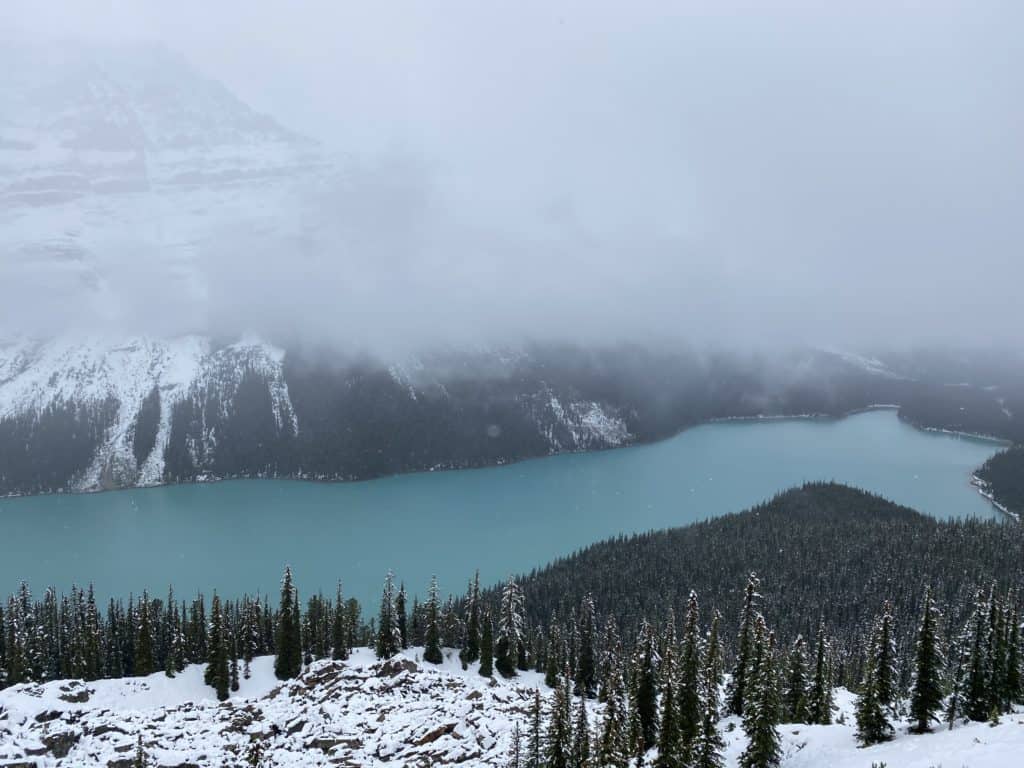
(400, 712)
(89, 413)
(125, 158)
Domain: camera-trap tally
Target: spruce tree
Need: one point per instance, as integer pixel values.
(535, 741)
(558, 747)
(926, 687)
(670, 740)
(612, 750)
(144, 639)
(611, 661)
(486, 645)
(516, 758)
(472, 650)
(794, 696)
(339, 629)
(978, 673)
(217, 672)
(645, 688)
(873, 724)
(389, 639)
(690, 670)
(233, 674)
(580, 753)
(401, 618)
(736, 693)
(510, 630)
(586, 660)
(707, 749)
(819, 698)
(1014, 682)
(288, 642)
(761, 708)
(432, 631)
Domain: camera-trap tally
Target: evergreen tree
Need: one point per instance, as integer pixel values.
(886, 675)
(1014, 681)
(389, 639)
(610, 669)
(516, 758)
(472, 650)
(819, 698)
(288, 641)
(486, 645)
(400, 616)
(736, 694)
(144, 639)
(690, 670)
(978, 674)
(234, 663)
(645, 689)
(670, 743)
(510, 630)
(559, 735)
(794, 696)
(873, 724)
(535, 742)
(955, 702)
(432, 631)
(580, 753)
(339, 629)
(217, 673)
(761, 708)
(926, 687)
(612, 750)
(707, 749)
(586, 660)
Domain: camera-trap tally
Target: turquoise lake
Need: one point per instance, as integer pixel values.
(237, 535)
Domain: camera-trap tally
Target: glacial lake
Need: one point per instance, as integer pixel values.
(237, 535)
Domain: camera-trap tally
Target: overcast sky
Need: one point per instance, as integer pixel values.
(847, 172)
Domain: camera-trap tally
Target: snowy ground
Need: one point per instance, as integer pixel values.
(398, 713)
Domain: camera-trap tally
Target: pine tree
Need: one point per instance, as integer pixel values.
(472, 650)
(955, 702)
(690, 669)
(670, 743)
(432, 631)
(516, 758)
(978, 674)
(389, 639)
(486, 645)
(611, 661)
(510, 630)
(288, 642)
(580, 753)
(559, 734)
(1014, 682)
(886, 675)
(873, 724)
(926, 687)
(586, 659)
(645, 688)
(736, 694)
(761, 708)
(217, 673)
(707, 749)
(339, 629)
(535, 742)
(612, 751)
(401, 618)
(819, 698)
(144, 639)
(794, 696)
(233, 674)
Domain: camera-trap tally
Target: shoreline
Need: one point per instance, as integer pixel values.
(757, 418)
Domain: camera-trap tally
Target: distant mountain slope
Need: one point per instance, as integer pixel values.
(88, 413)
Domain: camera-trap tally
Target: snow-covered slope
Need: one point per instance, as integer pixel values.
(402, 712)
(87, 371)
(359, 713)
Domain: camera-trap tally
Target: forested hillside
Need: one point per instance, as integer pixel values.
(823, 551)
(1003, 477)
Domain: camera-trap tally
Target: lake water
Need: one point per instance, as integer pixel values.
(236, 536)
